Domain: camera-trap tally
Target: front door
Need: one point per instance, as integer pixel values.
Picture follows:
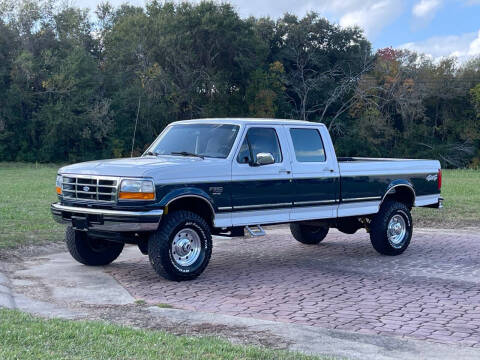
(315, 174)
(261, 194)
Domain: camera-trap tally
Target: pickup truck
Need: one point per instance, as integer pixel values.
(223, 176)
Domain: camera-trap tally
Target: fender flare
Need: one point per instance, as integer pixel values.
(185, 192)
(396, 184)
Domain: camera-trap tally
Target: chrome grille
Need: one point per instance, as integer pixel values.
(90, 188)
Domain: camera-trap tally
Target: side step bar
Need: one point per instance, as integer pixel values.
(257, 231)
(239, 231)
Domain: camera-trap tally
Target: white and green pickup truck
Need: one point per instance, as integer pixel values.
(221, 176)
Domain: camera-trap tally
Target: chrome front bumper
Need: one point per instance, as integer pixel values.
(85, 219)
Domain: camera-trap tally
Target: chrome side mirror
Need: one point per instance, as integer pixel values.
(264, 159)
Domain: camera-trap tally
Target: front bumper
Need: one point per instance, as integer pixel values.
(85, 219)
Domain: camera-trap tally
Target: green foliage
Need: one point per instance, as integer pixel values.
(27, 190)
(264, 91)
(420, 109)
(475, 93)
(72, 87)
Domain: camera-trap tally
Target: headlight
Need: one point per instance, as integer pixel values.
(137, 190)
(58, 184)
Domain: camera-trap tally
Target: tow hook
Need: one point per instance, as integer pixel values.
(440, 203)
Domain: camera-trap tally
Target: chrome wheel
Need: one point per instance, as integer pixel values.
(185, 248)
(396, 231)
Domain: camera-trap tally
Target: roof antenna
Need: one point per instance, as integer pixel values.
(135, 129)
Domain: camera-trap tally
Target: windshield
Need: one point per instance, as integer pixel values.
(208, 140)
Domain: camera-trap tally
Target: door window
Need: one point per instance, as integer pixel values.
(259, 140)
(308, 145)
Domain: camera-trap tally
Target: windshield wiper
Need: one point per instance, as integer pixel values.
(152, 153)
(186, 153)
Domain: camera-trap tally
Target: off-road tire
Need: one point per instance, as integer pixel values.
(379, 228)
(160, 245)
(91, 251)
(307, 234)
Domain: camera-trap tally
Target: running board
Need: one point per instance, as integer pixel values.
(255, 232)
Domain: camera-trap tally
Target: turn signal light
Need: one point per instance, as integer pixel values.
(58, 184)
(136, 196)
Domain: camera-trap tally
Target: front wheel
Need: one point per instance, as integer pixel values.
(391, 229)
(181, 247)
(89, 250)
(307, 234)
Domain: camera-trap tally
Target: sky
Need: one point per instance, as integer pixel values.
(437, 28)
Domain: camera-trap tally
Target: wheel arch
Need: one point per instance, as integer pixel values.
(189, 200)
(402, 191)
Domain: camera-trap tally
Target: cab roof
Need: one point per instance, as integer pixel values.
(245, 121)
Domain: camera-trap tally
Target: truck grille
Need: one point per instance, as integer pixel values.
(90, 188)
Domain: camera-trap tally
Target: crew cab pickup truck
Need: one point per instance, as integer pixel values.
(223, 176)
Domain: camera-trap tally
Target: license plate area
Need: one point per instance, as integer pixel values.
(80, 223)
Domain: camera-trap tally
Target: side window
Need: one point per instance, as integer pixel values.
(259, 140)
(308, 145)
(244, 153)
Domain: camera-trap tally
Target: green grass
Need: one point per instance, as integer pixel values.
(165, 306)
(26, 191)
(25, 337)
(461, 191)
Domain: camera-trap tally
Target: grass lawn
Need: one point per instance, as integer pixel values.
(26, 337)
(26, 191)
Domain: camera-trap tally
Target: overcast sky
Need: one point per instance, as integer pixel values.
(434, 27)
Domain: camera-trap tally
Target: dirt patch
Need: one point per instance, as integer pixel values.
(28, 251)
(139, 316)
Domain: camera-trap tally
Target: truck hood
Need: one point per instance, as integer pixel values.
(161, 168)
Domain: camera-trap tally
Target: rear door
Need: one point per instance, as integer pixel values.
(261, 194)
(315, 173)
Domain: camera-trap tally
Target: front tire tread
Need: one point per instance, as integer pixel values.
(159, 246)
(79, 247)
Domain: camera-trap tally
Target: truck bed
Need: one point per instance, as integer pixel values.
(368, 179)
(357, 166)
(366, 159)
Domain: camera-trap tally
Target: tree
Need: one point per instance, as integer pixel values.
(318, 56)
(75, 87)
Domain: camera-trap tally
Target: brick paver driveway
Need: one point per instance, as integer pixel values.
(430, 292)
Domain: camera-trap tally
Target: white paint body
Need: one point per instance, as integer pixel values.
(180, 170)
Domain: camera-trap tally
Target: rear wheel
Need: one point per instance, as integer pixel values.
(307, 234)
(91, 251)
(392, 228)
(181, 247)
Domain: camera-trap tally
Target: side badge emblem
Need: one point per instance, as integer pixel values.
(216, 190)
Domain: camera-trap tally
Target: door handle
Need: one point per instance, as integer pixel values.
(284, 171)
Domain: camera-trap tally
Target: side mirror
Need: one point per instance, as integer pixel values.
(264, 159)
